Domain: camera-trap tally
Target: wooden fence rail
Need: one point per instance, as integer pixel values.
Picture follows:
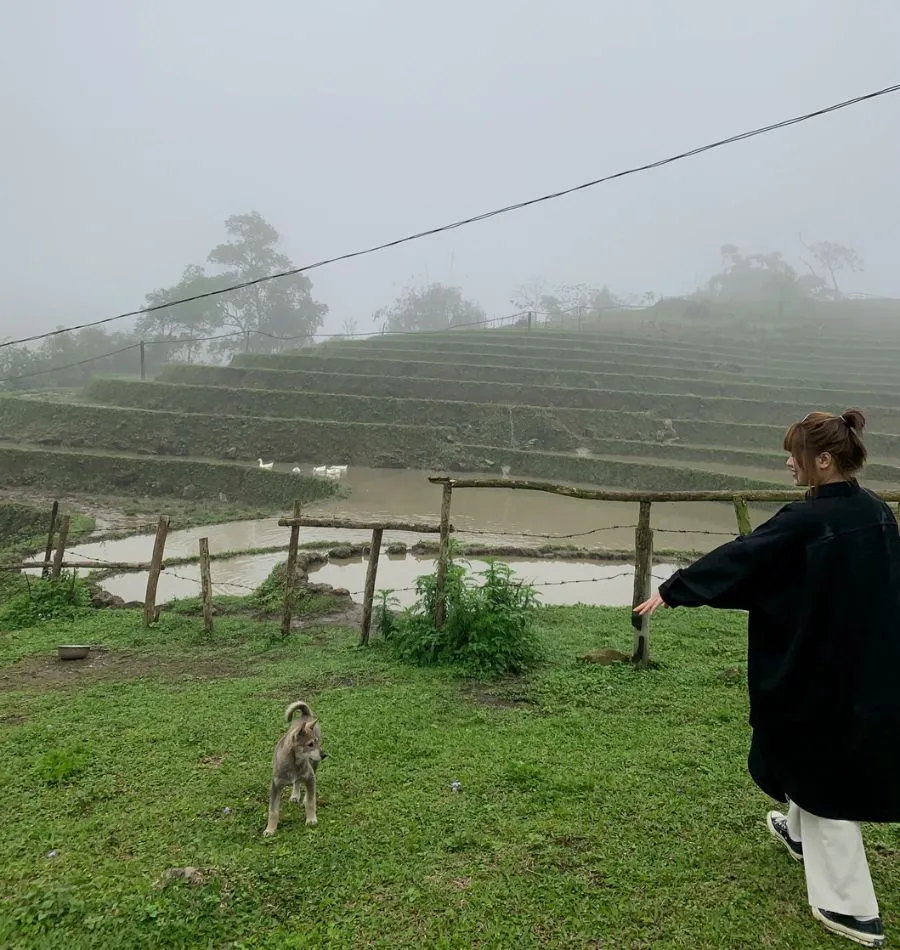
(643, 539)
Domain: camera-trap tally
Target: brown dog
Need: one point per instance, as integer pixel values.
(297, 756)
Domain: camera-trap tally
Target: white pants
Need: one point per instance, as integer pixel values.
(834, 857)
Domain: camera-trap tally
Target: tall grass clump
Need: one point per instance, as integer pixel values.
(488, 627)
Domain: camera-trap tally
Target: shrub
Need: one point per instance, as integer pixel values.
(383, 617)
(488, 627)
(42, 601)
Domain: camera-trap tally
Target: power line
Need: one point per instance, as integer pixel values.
(185, 341)
(484, 216)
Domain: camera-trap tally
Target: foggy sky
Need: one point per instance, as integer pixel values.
(132, 130)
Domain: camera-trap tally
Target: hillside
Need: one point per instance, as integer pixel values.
(629, 403)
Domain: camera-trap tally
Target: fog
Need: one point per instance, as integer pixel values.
(132, 130)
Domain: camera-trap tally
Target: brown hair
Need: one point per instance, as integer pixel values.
(840, 436)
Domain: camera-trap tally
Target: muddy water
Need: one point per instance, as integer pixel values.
(490, 516)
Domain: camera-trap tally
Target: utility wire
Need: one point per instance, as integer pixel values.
(484, 216)
(185, 341)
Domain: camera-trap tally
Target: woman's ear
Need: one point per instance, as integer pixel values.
(824, 460)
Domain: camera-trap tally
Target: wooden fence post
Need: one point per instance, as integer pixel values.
(156, 563)
(743, 515)
(443, 556)
(206, 585)
(643, 569)
(60, 548)
(369, 596)
(143, 362)
(290, 578)
(48, 554)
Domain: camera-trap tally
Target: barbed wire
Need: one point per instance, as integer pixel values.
(721, 534)
(531, 534)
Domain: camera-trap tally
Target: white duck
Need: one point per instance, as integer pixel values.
(268, 466)
(320, 470)
(296, 470)
(333, 471)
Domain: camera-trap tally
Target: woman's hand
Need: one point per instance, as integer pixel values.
(649, 606)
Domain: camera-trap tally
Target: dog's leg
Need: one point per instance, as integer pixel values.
(296, 790)
(309, 800)
(274, 806)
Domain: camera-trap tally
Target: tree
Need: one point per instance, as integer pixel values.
(277, 308)
(436, 307)
(832, 258)
(754, 278)
(186, 321)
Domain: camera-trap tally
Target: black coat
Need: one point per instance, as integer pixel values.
(821, 582)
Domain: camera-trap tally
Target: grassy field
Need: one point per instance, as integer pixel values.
(599, 806)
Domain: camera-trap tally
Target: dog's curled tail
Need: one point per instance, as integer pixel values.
(294, 707)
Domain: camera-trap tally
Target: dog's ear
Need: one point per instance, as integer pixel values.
(311, 724)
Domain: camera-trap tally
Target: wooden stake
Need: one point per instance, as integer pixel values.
(48, 554)
(290, 572)
(206, 585)
(443, 556)
(743, 515)
(60, 548)
(156, 562)
(369, 596)
(143, 362)
(643, 567)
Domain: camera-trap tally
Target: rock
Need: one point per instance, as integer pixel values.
(343, 552)
(103, 599)
(190, 491)
(396, 547)
(605, 657)
(193, 876)
(230, 453)
(340, 592)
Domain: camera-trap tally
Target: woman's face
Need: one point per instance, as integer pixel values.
(796, 471)
(825, 470)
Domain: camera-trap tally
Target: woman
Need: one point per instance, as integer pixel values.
(821, 582)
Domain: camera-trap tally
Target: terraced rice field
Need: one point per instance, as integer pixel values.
(624, 405)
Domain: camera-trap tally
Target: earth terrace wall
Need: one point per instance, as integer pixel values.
(597, 344)
(761, 436)
(854, 361)
(80, 472)
(663, 405)
(656, 357)
(610, 473)
(553, 429)
(220, 436)
(802, 342)
(549, 376)
(721, 373)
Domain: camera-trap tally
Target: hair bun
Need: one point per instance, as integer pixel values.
(854, 419)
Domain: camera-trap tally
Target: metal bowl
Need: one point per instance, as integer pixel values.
(72, 652)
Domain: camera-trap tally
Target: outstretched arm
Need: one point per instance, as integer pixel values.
(728, 576)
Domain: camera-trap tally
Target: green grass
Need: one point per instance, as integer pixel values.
(600, 807)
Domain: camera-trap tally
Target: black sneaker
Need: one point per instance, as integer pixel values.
(870, 933)
(777, 825)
